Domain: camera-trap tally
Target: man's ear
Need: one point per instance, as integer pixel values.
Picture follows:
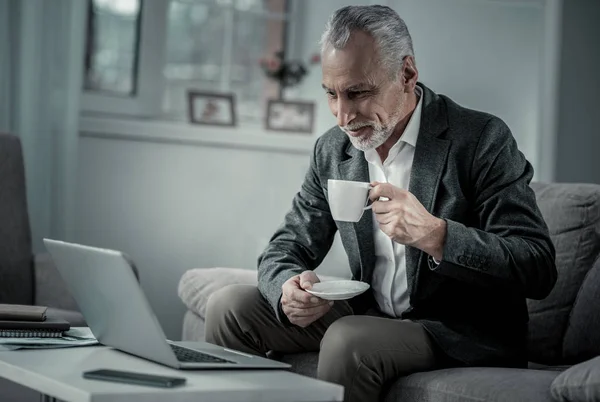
(409, 74)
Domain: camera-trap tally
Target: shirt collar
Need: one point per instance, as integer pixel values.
(410, 134)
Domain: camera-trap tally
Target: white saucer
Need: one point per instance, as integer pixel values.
(338, 290)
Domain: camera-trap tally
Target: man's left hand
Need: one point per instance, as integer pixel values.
(406, 221)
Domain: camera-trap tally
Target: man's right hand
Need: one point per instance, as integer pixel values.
(300, 307)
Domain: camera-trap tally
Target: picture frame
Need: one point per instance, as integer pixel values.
(290, 116)
(211, 108)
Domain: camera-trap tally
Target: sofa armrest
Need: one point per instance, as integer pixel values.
(49, 288)
(580, 383)
(198, 284)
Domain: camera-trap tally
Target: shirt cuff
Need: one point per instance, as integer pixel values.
(433, 263)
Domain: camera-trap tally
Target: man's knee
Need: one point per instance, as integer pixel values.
(342, 345)
(351, 343)
(226, 308)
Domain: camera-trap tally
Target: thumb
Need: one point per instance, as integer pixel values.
(307, 279)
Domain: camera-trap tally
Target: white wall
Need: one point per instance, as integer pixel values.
(174, 207)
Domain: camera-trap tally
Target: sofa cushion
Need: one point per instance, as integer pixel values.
(196, 285)
(302, 363)
(474, 384)
(193, 327)
(580, 383)
(572, 212)
(458, 384)
(582, 337)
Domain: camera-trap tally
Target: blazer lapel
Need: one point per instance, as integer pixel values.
(429, 160)
(428, 163)
(355, 168)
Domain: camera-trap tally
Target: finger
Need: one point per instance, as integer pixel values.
(295, 304)
(307, 279)
(304, 322)
(384, 218)
(311, 311)
(382, 207)
(387, 229)
(292, 292)
(381, 190)
(290, 285)
(298, 313)
(305, 298)
(386, 190)
(313, 302)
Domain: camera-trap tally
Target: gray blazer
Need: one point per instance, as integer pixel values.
(467, 170)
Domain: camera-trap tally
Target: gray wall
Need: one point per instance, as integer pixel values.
(578, 140)
(175, 207)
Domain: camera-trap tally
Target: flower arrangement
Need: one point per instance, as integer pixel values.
(287, 72)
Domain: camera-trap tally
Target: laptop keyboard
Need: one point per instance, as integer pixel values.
(193, 356)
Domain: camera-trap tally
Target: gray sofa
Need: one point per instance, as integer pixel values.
(564, 328)
(25, 278)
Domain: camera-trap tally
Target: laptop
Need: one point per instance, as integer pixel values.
(104, 285)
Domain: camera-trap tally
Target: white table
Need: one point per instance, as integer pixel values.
(57, 373)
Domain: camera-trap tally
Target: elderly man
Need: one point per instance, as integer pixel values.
(454, 245)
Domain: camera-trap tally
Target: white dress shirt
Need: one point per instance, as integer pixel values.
(389, 283)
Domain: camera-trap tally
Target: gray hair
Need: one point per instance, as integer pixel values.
(381, 22)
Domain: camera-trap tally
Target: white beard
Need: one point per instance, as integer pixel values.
(379, 134)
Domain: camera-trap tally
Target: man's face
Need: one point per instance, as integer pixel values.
(362, 94)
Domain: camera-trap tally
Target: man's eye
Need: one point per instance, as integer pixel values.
(354, 94)
(330, 95)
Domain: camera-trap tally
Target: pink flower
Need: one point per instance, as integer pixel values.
(274, 64)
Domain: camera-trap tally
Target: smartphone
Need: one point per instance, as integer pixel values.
(129, 377)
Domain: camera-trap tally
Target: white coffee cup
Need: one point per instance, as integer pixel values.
(348, 199)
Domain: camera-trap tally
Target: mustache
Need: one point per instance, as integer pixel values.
(358, 126)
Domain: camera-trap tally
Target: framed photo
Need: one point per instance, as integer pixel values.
(290, 116)
(211, 108)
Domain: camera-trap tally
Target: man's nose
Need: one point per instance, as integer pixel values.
(345, 113)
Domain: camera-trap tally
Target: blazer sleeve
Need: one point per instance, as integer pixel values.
(510, 245)
(301, 242)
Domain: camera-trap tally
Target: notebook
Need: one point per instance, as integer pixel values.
(50, 328)
(19, 312)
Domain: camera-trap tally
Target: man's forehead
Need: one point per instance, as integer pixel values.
(348, 85)
(344, 68)
(350, 77)
(349, 58)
